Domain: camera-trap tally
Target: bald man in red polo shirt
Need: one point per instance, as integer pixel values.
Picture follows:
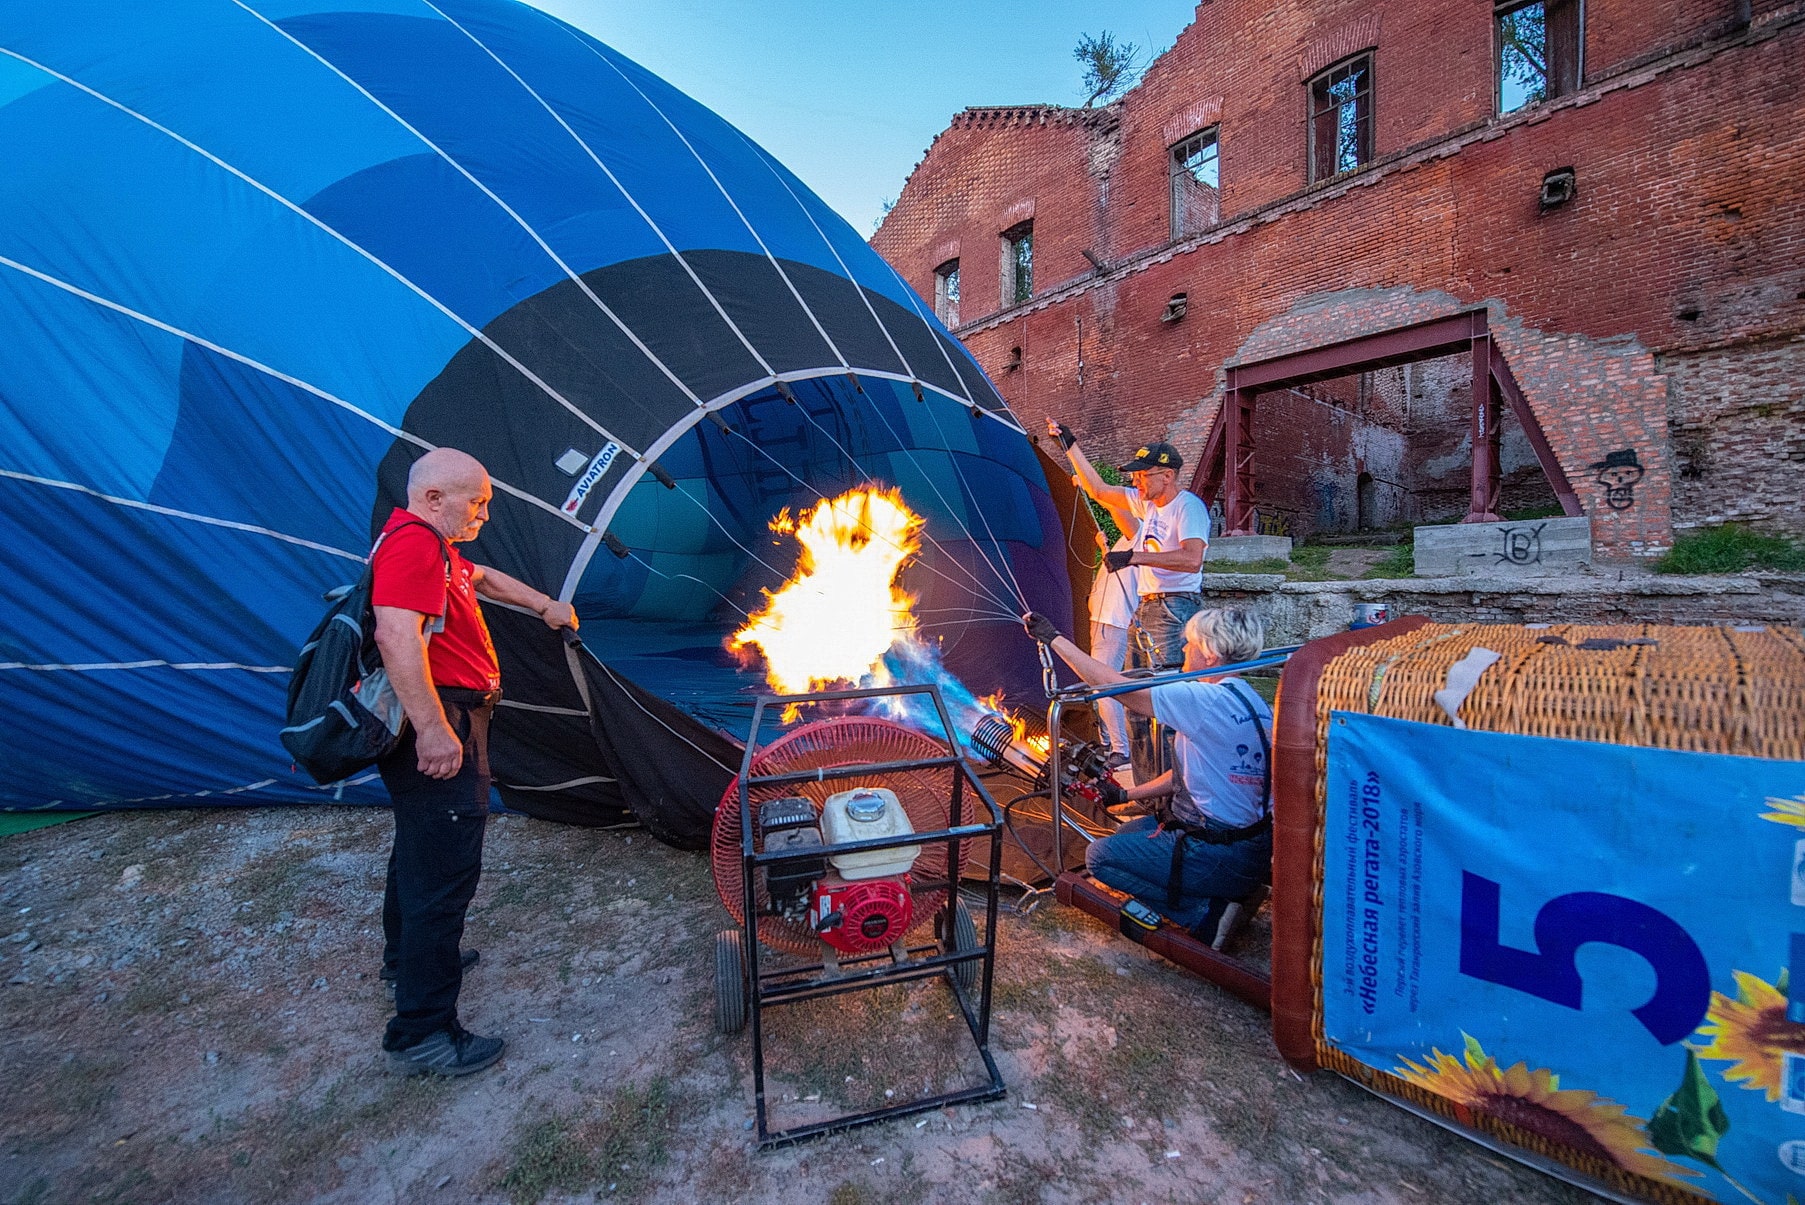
(436, 648)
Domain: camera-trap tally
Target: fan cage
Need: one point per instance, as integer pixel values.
(844, 741)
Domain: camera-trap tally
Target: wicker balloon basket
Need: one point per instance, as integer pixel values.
(1722, 690)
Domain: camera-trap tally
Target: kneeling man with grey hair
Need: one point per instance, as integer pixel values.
(1212, 835)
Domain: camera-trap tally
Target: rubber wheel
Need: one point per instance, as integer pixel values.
(729, 981)
(965, 939)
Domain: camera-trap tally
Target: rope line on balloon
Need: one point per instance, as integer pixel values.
(628, 689)
(759, 154)
(953, 458)
(571, 274)
(857, 468)
(84, 667)
(969, 535)
(613, 179)
(975, 542)
(276, 374)
(205, 794)
(338, 236)
(634, 554)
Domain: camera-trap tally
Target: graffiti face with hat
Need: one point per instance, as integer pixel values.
(1618, 473)
(1154, 471)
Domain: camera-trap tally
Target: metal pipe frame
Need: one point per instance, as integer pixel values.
(786, 985)
(1089, 695)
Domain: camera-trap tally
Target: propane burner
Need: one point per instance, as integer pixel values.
(1086, 768)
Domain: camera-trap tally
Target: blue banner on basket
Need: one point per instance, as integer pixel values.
(1589, 941)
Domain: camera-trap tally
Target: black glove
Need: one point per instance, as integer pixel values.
(1118, 561)
(1065, 437)
(1111, 792)
(1040, 627)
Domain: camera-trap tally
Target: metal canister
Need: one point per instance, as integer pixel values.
(1370, 615)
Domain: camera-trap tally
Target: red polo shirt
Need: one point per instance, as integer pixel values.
(410, 572)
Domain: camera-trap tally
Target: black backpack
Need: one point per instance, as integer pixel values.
(343, 716)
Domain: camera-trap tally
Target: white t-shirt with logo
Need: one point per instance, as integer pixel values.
(1114, 596)
(1163, 529)
(1220, 760)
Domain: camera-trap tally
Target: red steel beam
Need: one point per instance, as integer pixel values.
(1519, 406)
(1237, 454)
(1487, 472)
(1206, 478)
(1425, 340)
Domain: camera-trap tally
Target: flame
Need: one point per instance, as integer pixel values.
(842, 610)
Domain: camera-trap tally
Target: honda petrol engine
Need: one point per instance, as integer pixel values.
(858, 902)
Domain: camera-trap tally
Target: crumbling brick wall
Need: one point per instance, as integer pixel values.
(1736, 420)
(1683, 251)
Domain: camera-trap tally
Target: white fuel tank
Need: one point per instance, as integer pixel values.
(866, 814)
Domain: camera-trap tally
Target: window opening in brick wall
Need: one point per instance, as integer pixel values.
(1194, 168)
(1539, 50)
(1341, 118)
(1018, 263)
(946, 292)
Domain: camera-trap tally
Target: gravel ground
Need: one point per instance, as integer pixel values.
(190, 1012)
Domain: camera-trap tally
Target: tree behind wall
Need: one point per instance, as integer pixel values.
(1109, 65)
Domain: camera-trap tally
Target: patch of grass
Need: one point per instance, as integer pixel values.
(616, 1151)
(1731, 548)
(855, 1192)
(545, 1157)
(1310, 563)
(1399, 562)
(1533, 512)
(1271, 564)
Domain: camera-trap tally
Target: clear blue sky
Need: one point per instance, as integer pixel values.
(848, 93)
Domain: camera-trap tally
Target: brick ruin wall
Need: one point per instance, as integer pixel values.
(1659, 313)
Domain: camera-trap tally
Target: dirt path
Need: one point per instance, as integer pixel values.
(189, 1012)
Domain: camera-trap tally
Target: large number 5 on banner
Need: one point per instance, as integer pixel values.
(1567, 922)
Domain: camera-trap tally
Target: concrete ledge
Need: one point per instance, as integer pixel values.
(1299, 611)
(1530, 548)
(1248, 548)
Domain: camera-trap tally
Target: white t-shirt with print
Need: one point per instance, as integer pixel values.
(1114, 596)
(1163, 529)
(1220, 760)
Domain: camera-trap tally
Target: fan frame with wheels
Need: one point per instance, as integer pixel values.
(918, 768)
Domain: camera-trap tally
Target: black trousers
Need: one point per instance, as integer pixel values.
(433, 869)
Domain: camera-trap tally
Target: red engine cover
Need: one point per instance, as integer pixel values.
(873, 914)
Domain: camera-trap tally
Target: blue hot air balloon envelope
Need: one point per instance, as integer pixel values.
(258, 255)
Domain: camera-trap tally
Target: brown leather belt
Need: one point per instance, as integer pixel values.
(1197, 594)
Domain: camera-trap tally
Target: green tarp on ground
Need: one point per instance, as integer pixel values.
(24, 822)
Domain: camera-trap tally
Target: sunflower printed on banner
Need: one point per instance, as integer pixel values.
(1577, 920)
(257, 255)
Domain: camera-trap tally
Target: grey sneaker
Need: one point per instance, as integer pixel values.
(447, 1053)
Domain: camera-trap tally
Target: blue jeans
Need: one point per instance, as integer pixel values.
(433, 870)
(1137, 858)
(1162, 624)
(1109, 644)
